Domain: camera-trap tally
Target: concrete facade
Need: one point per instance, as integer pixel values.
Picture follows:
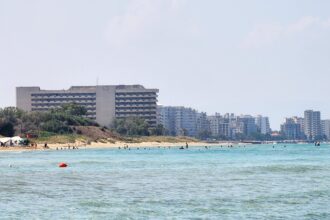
(312, 124)
(178, 120)
(103, 103)
(326, 128)
(263, 124)
(292, 129)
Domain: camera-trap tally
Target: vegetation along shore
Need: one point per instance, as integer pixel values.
(67, 127)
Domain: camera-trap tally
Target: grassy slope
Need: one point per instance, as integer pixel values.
(89, 134)
(72, 138)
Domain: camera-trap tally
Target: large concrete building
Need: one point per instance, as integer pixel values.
(326, 128)
(263, 124)
(249, 123)
(220, 126)
(103, 103)
(180, 121)
(312, 124)
(292, 129)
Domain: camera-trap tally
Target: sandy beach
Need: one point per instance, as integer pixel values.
(110, 145)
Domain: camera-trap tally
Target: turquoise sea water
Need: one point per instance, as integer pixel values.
(255, 182)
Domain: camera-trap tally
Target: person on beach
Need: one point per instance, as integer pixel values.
(187, 145)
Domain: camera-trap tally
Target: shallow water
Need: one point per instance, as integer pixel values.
(255, 182)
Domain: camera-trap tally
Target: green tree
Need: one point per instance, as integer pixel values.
(159, 130)
(204, 134)
(131, 126)
(7, 129)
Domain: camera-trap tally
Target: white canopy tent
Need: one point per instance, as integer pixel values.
(13, 141)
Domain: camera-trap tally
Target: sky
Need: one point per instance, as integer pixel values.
(240, 56)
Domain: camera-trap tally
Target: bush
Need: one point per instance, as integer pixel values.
(7, 129)
(57, 121)
(131, 126)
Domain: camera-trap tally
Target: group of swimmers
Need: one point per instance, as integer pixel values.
(68, 148)
(126, 147)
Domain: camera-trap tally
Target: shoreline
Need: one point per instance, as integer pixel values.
(109, 145)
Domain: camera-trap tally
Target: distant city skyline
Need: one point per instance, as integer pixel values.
(246, 57)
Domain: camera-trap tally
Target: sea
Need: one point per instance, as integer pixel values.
(241, 182)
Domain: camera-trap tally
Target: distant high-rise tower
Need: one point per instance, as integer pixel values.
(326, 128)
(312, 124)
(262, 124)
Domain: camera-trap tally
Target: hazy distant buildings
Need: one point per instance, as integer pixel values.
(166, 116)
(249, 124)
(231, 126)
(292, 129)
(262, 124)
(325, 124)
(203, 124)
(215, 122)
(179, 121)
(104, 103)
(301, 122)
(312, 124)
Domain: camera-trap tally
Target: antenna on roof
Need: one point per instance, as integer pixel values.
(97, 81)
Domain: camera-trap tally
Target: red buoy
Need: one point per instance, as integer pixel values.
(62, 165)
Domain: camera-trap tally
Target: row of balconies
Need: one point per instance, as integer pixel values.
(63, 99)
(61, 103)
(134, 105)
(136, 93)
(136, 108)
(128, 114)
(136, 112)
(42, 95)
(136, 96)
(137, 101)
(43, 108)
(148, 118)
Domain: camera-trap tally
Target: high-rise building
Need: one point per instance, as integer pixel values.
(326, 128)
(292, 129)
(203, 125)
(249, 124)
(103, 103)
(178, 121)
(312, 124)
(214, 122)
(262, 124)
(300, 121)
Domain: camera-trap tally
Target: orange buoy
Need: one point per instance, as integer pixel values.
(62, 165)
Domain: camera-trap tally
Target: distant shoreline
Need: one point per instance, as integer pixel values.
(109, 145)
(123, 144)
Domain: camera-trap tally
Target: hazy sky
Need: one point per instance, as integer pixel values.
(242, 56)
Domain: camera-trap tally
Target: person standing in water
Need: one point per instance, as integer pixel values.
(187, 145)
